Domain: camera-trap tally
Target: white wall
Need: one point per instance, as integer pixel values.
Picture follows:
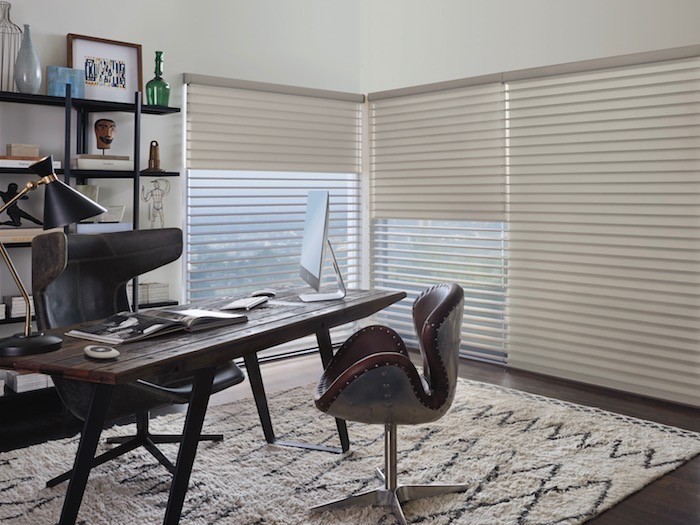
(412, 42)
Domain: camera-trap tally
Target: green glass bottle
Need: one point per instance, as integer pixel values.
(157, 89)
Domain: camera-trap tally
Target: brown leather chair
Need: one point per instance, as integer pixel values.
(80, 278)
(371, 380)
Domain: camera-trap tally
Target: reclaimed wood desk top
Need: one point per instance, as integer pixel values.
(267, 326)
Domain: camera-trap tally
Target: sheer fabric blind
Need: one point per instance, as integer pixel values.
(604, 243)
(245, 229)
(254, 150)
(240, 129)
(438, 205)
(439, 155)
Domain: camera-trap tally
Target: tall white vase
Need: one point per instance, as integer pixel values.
(27, 67)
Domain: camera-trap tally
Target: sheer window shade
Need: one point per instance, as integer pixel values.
(437, 165)
(254, 150)
(439, 155)
(604, 244)
(240, 129)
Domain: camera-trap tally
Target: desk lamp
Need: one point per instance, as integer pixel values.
(62, 206)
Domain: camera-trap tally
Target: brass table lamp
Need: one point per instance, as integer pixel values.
(63, 205)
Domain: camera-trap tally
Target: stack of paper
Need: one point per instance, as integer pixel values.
(26, 381)
(17, 307)
(151, 292)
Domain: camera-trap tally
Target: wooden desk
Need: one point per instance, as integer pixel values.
(198, 353)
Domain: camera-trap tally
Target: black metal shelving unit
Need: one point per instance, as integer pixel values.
(83, 109)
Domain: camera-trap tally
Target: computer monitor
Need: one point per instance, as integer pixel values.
(313, 248)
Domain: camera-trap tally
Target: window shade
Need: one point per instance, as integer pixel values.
(604, 243)
(437, 164)
(240, 129)
(245, 229)
(254, 150)
(439, 155)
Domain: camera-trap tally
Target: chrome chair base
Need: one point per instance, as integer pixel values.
(391, 498)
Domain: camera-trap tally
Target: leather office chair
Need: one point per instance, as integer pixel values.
(371, 380)
(80, 278)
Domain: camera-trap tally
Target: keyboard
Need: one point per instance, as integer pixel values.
(244, 304)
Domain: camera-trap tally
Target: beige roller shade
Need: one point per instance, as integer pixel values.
(233, 128)
(439, 155)
(604, 228)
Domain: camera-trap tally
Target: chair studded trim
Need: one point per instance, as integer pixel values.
(434, 306)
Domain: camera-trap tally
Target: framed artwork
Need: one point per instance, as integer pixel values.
(112, 69)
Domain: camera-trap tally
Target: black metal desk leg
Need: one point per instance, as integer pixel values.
(194, 420)
(252, 368)
(90, 436)
(325, 348)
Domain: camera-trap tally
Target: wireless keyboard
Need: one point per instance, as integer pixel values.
(244, 304)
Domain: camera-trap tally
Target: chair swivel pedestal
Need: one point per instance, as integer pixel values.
(371, 379)
(391, 495)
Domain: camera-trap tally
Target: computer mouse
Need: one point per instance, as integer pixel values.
(265, 292)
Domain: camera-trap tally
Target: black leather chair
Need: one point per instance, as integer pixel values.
(371, 380)
(80, 278)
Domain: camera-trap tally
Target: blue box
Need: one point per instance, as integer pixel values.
(57, 77)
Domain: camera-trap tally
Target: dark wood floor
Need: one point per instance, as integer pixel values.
(671, 500)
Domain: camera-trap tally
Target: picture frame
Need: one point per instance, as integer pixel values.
(113, 70)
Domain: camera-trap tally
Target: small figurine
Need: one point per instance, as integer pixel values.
(105, 130)
(13, 211)
(154, 158)
(156, 195)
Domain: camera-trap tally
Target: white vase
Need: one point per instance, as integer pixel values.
(27, 67)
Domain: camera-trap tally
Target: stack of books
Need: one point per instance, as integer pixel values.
(17, 161)
(3, 311)
(16, 307)
(151, 293)
(19, 381)
(10, 235)
(88, 161)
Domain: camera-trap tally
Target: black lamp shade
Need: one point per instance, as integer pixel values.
(62, 204)
(43, 167)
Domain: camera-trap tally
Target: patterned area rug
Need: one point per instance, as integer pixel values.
(527, 460)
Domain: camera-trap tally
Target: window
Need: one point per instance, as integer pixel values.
(245, 229)
(438, 206)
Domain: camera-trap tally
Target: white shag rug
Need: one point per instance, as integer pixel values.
(527, 460)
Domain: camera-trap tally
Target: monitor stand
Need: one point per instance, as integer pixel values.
(329, 296)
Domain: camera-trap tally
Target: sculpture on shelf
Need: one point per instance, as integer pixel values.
(155, 209)
(105, 130)
(13, 210)
(154, 158)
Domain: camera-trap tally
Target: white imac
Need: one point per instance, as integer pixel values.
(313, 249)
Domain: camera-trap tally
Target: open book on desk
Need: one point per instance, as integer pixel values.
(126, 327)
